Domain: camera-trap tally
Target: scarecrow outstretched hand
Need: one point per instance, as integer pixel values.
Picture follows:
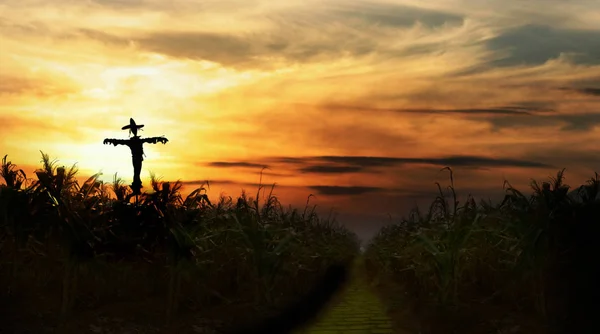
(115, 142)
(154, 140)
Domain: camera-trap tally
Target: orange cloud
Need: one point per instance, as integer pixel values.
(425, 85)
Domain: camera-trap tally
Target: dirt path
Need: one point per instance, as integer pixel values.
(358, 310)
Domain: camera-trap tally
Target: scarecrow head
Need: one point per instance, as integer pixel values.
(132, 127)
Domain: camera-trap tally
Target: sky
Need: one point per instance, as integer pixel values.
(359, 103)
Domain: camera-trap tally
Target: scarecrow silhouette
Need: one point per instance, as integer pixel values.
(135, 143)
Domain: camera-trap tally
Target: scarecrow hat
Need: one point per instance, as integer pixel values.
(132, 127)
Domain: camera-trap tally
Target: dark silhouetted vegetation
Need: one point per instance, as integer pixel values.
(76, 253)
(525, 265)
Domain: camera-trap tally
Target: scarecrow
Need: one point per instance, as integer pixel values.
(135, 143)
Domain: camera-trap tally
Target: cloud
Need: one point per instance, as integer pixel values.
(243, 164)
(536, 44)
(225, 49)
(532, 106)
(282, 46)
(363, 161)
(14, 85)
(559, 155)
(294, 35)
(298, 129)
(352, 164)
(267, 173)
(589, 91)
(579, 122)
(508, 110)
(9, 27)
(396, 15)
(123, 4)
(248, 50)
(476, 161)
(100, 36)
(219, 183)
(343, 191)
(17, 125)
(568, 122)
(288, 160)
(329, 169)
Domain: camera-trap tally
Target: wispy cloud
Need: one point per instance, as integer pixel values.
(537, 44)
(515, 110)
(395, 15)
(359, 164)
(360, 103)
(16, 86)
(593, 91)
(566, 122)
(225, 164)
(339, 190)
(327, 169)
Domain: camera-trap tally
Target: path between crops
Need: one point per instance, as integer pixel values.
(358, 310)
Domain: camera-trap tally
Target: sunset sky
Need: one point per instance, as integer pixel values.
(360, 103)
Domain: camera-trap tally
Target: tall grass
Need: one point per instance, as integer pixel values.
(195, 253)
(465, 264)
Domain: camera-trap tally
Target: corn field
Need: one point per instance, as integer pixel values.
(67, 247)
(524, 265)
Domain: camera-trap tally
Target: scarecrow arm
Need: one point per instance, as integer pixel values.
(116, 141)
(154, 140)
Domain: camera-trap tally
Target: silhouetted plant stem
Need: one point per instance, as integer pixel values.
(15, 269)
(170, 294)
(540, 288)
(173, 291)
(69, 283)
(177, 292)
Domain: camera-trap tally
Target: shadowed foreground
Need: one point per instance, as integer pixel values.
(341, 303)
(307, 309)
